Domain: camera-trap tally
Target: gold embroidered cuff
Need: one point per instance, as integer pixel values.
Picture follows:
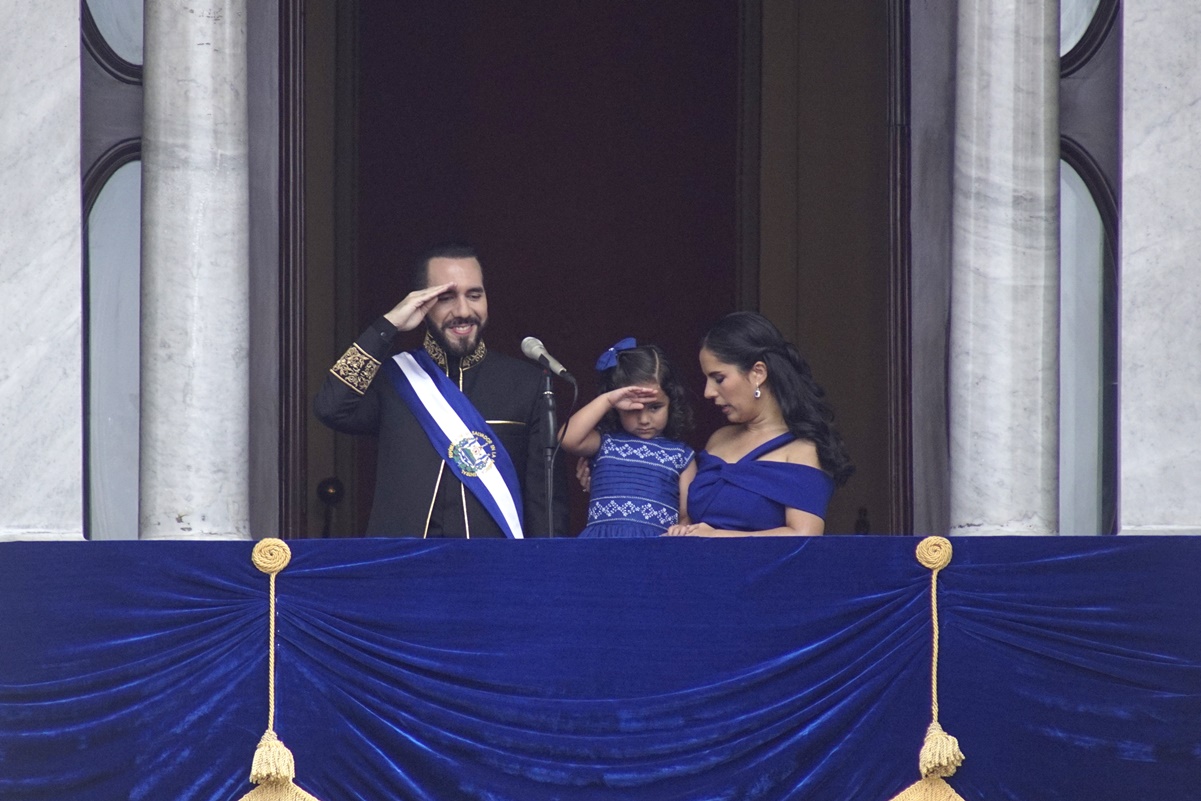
(356, 368)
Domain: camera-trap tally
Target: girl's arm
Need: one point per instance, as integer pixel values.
(580, 437)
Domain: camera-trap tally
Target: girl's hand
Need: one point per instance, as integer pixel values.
(631, 398)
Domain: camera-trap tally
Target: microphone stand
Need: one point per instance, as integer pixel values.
(549, 447)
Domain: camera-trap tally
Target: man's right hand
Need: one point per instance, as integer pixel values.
(407, 314)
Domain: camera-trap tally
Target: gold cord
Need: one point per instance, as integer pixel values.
(940, 755)
(271, 661)
(466, 521)
(271, 556)
(934, 553)
(433, 499)
(273, 767)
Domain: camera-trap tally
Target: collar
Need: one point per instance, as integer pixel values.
(439, 355)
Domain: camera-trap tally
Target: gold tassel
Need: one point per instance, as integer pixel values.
(273, 770)
(272, 761)
(273, 767)
(929, 789)
(940, 755)
(278, 791)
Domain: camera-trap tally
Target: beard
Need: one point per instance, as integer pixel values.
(457, 346)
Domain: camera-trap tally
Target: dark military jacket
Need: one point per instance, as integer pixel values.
(416, 495)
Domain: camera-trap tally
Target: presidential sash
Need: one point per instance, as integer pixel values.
(459, 434)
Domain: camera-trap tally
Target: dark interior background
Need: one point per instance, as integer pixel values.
(627, 169)
(588, 149)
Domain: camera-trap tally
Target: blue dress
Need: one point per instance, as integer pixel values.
(635, 486)
(752, 495)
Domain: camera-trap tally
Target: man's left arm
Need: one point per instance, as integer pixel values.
(534, 484)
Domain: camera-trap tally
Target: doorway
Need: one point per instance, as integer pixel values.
(627, 169)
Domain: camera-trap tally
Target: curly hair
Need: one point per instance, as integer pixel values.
(648, 364)
(743, 338)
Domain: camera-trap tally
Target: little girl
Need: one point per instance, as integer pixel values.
(640, 472)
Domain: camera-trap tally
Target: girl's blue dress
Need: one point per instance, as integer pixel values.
(635, 486)
(750, 495)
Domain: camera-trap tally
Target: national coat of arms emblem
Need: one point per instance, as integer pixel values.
(473, 454)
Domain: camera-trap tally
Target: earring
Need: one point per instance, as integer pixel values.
(757, 392)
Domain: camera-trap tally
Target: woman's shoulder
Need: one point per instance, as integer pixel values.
(727, 442)
(798, 451)
(720, 437)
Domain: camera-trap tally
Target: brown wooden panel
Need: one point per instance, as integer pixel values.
(294, 403)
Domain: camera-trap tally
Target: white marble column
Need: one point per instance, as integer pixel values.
(1004, 301)
(1160, 333)
(195, 273)
(41, 406)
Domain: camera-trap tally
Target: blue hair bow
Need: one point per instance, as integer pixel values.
(609, 358)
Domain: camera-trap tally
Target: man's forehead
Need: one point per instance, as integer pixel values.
(465, 272)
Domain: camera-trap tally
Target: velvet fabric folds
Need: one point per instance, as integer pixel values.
(673, 669)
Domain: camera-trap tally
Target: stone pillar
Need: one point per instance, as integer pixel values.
(1005, 294)
(1160, 333)
(195, 273)
(41, 400)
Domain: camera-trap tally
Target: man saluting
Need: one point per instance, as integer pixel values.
(460, 427)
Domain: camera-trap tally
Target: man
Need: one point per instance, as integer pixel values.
(461, 428)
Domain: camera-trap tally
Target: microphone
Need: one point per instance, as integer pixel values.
(535, 350)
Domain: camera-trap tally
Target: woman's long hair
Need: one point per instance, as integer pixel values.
(743, 338)
(648, 364)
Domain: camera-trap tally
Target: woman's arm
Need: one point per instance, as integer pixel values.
(796, 524)
(580, 437)
(686, 477)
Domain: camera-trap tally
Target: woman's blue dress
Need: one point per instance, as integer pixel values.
(752, 495)
(635, 486)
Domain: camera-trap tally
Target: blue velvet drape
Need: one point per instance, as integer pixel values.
(698, 670)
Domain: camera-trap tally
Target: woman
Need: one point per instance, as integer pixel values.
(774, 468)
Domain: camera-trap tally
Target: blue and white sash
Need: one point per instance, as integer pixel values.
(459, 434)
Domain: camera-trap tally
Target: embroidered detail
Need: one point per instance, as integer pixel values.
(632, 512)
(466, 363)
(356, 368)
(645, 452)
(473, 454)
(434, 349)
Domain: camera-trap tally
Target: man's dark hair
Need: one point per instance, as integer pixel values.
(419, 278)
